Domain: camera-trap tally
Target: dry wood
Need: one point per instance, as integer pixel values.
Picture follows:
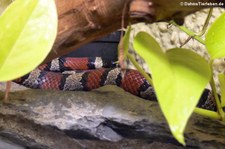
(81, 21)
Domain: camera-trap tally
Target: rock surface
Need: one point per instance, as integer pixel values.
(104, 118)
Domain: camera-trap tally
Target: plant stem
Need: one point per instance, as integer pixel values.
(207, 113)
(213, 86)
(7, 90)
(188, 32)
(147, 77)
(206, 23)
(196, 36)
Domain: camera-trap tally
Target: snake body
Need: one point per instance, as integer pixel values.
(76, 74)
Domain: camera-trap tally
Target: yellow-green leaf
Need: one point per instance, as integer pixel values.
(215, 38)
(126, 40)
(222, 88)
(179, 77)
(27, 32)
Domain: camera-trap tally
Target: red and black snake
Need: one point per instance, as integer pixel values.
(76, 74)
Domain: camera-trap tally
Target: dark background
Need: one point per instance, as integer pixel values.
(104, 47)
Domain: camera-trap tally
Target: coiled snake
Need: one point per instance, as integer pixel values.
(73, 74)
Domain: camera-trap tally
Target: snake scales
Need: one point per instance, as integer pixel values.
(73, 74)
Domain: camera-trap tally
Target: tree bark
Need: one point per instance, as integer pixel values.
(81, 21)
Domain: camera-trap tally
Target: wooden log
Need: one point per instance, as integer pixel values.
(82, 21)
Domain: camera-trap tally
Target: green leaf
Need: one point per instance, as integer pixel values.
(179, 78)
(215, 38)
(123, 45)
(222, 88)
(28, 30)
(126, 40)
